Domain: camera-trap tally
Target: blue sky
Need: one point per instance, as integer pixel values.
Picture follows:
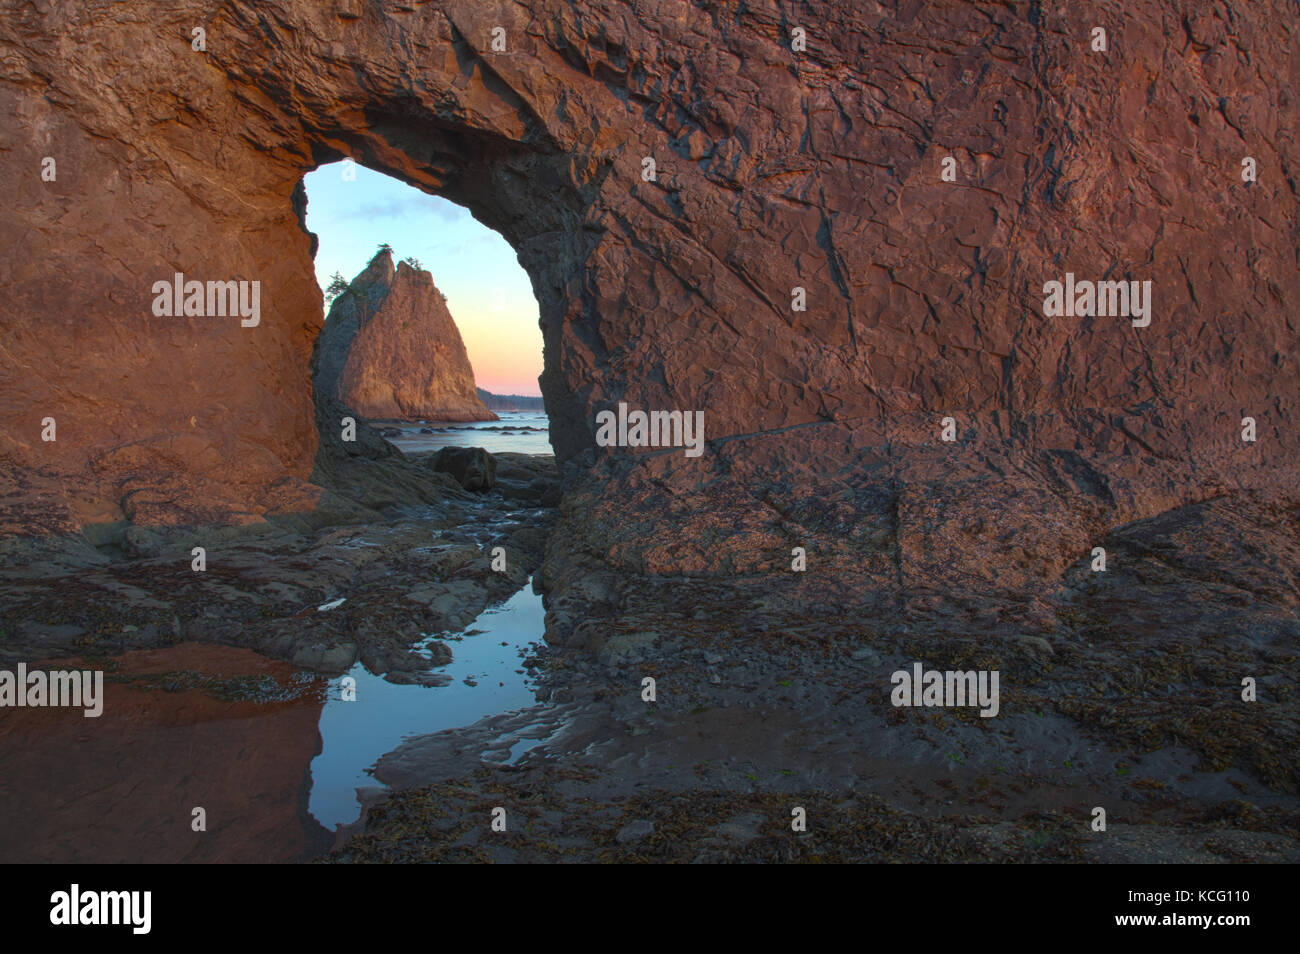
(487, 291)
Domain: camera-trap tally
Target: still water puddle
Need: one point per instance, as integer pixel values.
(487, 678)
(237, 734)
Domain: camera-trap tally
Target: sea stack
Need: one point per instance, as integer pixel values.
(390, 349)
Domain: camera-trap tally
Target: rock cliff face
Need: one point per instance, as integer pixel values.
(671, 174)
(390, 349)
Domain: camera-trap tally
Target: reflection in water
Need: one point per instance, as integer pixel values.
(190, 726)
(231, 732)
(487, 679)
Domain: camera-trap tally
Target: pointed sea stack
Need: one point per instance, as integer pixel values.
(390, 349)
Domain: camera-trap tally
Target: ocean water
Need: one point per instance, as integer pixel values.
(520, 432)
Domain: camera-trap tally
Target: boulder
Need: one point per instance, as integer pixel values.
(473, 467)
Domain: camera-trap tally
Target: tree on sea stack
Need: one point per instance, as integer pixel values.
(337, 286)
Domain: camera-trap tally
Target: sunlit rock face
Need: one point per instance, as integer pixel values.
(390, 349)
(671, 175)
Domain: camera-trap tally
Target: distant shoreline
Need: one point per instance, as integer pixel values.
(524, 403)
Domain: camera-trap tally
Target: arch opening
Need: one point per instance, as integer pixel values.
(429, 317)
(511, 183)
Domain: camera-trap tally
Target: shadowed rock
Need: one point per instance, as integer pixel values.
(473, 467)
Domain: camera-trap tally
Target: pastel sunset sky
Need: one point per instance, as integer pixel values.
(488, 293)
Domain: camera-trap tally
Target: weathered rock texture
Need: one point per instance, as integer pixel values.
(774, 169)
(390, 349)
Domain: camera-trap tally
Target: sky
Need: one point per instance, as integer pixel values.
(488, 293)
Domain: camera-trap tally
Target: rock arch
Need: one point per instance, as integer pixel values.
(775, 170)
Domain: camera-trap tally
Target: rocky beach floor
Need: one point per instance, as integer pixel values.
(758, 714)
(766, 702)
